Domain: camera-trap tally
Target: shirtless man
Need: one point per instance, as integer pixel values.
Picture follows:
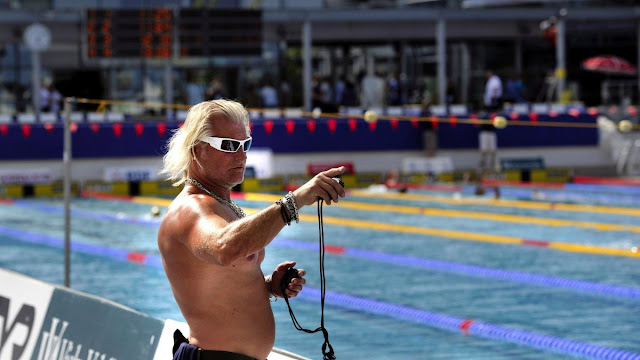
(211, 252)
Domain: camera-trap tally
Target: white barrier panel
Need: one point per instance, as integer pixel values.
(95, 117)
(354, 111)
(395, 111)
(521, 109)
(130, 173)
(82, 326)
(115, 117)
(540, 108)
(272, 114)
(559, 108)
(262, 161)
(293, 112)
(23, 307)
(434, 165)
(27, 118)
(438, 110)
(181, 115)
(77, 117)
(39, 321)
(26, 176)
(459, 109)
(48, 117)
(165, 344)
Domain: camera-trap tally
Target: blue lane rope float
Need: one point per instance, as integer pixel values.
(370, 306)
(470, 327)
(562, 196)
(402, 260)
(551, 281)
(88, 213)
(622, 189)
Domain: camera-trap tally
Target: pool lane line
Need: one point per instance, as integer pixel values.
(451, 234)
(468, 327)
(534, 205)
(473, 270)
(392, 258)
(89, 213)
(414, 210)
(478, 237)
(420, 211)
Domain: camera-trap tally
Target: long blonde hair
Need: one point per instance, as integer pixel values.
(197, 125)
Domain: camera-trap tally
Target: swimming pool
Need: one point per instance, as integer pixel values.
(418, 276)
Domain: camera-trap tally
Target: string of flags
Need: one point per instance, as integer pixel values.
(311, 124)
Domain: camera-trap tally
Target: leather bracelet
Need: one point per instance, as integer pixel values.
(269, 288)
(284, 212)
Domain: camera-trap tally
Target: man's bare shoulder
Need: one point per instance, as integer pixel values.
(185, 212)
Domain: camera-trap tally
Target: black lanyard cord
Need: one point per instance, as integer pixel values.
(327, 349)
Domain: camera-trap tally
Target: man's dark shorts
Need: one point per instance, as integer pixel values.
(182, 350)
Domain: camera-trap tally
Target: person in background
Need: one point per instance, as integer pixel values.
(515, 89)
(194, 90)
(430, 135)
(285, 94)
(216, 89)
(268, 95)
(55, 99)
(487, 140)
(481, 190)
(212, 251)
(45, 97)
(492, 92)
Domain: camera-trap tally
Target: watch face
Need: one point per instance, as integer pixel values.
(37, 37)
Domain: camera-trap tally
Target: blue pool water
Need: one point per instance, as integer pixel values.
(380, 278)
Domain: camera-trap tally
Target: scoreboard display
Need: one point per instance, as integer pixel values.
(144, 33)
(152, 33)
(220, 33)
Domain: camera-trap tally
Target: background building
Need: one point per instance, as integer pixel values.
(436, 49)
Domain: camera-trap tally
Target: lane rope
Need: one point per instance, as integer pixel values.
(469, 327)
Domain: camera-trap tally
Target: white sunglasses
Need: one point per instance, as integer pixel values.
(226, 144)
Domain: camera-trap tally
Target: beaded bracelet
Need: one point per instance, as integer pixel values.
(291, 204)
(288, 209)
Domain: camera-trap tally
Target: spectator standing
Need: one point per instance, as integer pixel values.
(393, 90)
(285, 94)
(269, 95)
(492, 92)
(194, 91)
(338, 89)
(45, 98)
(487, 141)
(372, 91)
(55, 99)
(349, 98)
(515, 89)
(216, 90)
(430, 135)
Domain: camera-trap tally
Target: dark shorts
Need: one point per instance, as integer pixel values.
(182, 350)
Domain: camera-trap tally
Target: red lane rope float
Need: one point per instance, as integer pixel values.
(371, 306)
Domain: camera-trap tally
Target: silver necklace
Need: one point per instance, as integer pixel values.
(236, 209)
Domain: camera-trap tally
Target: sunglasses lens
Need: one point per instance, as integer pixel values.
(247, 145)
(230, 145)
